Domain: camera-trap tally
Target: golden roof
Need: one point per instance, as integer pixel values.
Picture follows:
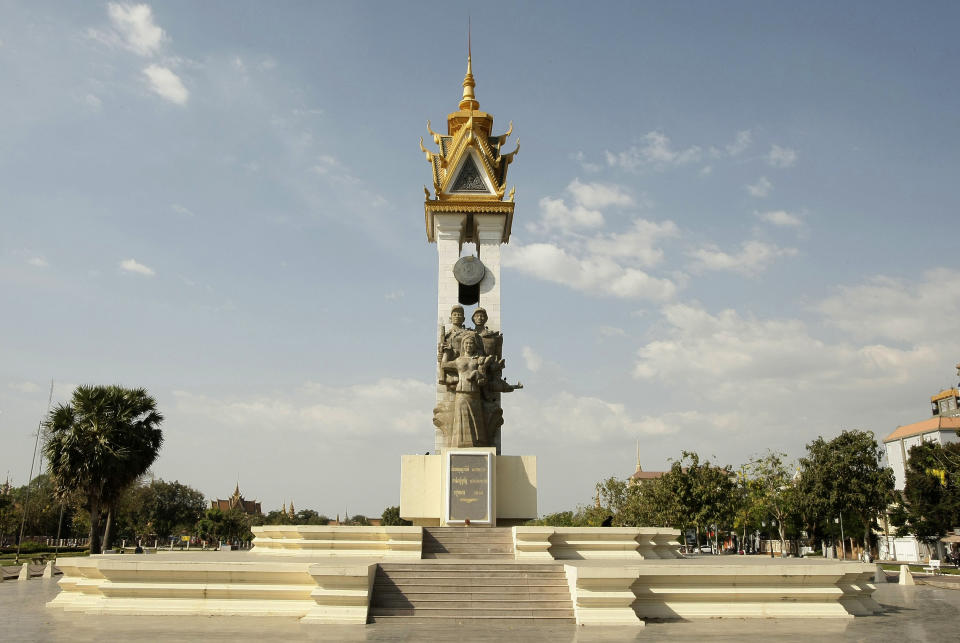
(950, 392)
(468, 147)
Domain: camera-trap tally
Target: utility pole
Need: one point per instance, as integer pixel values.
(26, 500)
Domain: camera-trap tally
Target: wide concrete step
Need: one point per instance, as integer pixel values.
(432, 555)
(443, 531)
(470, 620)
(470, 537)
(457, 612)
(449, 592)
(510, 591)
(463, 567)
(405, 601)
(489, 548)
(473, 576)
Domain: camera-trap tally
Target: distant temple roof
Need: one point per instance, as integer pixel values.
(237, 501)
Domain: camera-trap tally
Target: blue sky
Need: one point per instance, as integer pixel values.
(735, 229)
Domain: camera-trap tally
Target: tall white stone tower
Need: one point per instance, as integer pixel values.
(467, 215)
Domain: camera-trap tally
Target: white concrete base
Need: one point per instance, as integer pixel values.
(24, 572)
(338, 541)
(423, 488)
(608, 593)
(210, 584)
(607, 590)
(906, 576)
(589, 543)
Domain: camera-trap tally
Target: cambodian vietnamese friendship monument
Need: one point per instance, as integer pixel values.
(469, 554)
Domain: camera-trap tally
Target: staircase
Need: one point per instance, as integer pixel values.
(468, 543)
(466, 591)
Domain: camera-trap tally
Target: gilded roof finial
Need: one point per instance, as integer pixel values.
(469, 101)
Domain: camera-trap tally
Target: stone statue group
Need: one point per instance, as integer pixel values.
(470, 366)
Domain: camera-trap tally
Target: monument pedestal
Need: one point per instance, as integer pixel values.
(470, 483)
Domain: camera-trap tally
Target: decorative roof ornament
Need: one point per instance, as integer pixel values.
(469, 167)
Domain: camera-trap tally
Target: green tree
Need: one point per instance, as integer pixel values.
(844, 477)
(229, 526)
(277, 517)
(773, 492)
(310, 517)
(158, 508)
(391, 518)
(100, 443)
(930, 504)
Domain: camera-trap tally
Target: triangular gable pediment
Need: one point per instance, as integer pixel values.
(470, 176)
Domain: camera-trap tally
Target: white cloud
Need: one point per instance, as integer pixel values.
(555, 214)
(588, 199)
(132, 265)
(587, 166)
(639, 243)
(656, 151)
(781, 156)
(333, 413)
(780, 218)
(92, 101)
(740, 144)
(38, 262)
(531, 359)
(761, 188)
(599, 195)
(180, 209)
(332, 170)
(135, 27)
(394, 295)
(729, 354)
(25, 387)
(568, 418)
(911, 312)
(593, 274)
(611, 331)
(753, 258)
(706, 170)
(166, 84)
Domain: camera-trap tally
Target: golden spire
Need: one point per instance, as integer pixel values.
(469, 101)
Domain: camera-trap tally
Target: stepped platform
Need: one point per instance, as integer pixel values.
(481, 543)
(480, 576)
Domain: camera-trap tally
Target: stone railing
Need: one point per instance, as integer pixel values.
(329, 540)
(582, 543)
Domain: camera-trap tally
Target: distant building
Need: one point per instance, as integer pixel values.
(237, 501)
(640, 476)
(943, 428)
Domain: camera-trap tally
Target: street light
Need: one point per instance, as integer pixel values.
(843, 549)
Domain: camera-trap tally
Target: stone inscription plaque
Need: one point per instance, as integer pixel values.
(469, 487)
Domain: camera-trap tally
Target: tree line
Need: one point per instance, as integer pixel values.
(839, 487)
(98, 448)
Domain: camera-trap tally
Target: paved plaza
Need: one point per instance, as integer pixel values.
(921, 613)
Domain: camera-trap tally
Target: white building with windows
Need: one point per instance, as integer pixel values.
(942, 428)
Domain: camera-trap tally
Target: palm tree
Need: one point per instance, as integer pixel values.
(99, 443)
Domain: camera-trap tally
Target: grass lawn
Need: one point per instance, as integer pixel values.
(919, 569)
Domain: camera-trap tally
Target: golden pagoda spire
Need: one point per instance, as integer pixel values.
(469, 100)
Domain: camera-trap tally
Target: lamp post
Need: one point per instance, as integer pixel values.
(843, 549)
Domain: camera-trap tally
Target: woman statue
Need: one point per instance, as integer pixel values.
(469, 427)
